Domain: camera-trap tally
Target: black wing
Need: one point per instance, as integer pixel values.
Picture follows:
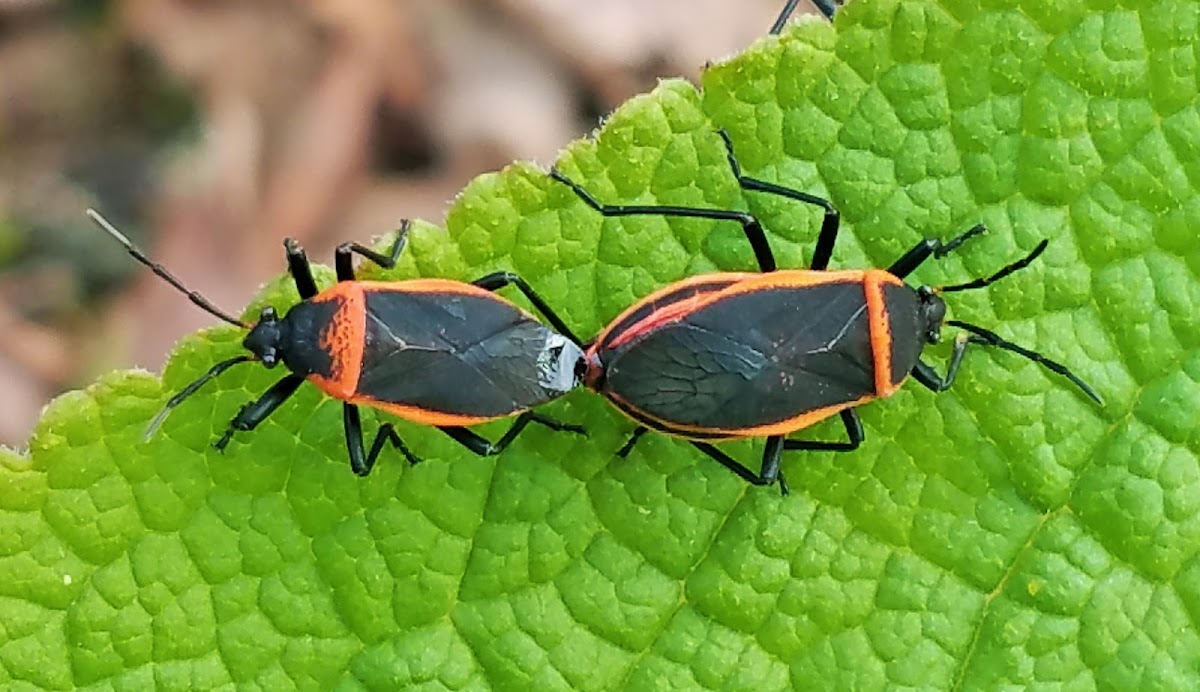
(751, 359)
(466, 354)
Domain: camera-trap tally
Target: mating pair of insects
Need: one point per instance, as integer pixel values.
(712, 357)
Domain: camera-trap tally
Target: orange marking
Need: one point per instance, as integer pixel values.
(747, 283)
(783, 427)
(795, 278)
(718, 277)
(427, 286)
(423, 416)
(442, 286)
(343, 338)
(593, 373)
(744, 283)
(881, 328)
(664, 315)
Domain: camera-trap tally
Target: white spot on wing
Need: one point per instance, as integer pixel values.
(556, 364)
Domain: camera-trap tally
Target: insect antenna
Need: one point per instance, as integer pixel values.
(990, 338)
(1014, 267)
(135, 252)
(191, 389)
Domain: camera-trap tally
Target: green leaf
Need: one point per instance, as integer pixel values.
(1007, 532)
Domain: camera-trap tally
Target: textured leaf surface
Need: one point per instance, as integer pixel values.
(1006, 532)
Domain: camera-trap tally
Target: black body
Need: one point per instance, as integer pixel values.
(416, 344)
(668, 373)
(450, 351)
(748, 360)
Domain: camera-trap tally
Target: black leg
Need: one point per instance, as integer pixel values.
(770, 463)
(633, 439)
(924, 373)
(750, 225)
(854, 430)
(483, 448)
(772, 455)
(257, 411)
(930, 247)
(784, 15)
(826, 7)
(343, 254)
(498, 280)
(775, 447)
(299, 269)
(360, 464)
(829, 224)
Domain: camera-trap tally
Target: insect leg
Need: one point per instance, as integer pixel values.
(299, 268)
(854, 430)
(925, 374)
(772, 454)
(825, 7)
(784, 14)
(930, 247)
(633, 439)
(479, 445)
(498, 280)
(257, 411)
(342, 255)
(770, 463)
(829, 224)
(360, 464)
(750, 225)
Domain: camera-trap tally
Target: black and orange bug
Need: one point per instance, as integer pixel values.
(432, 351)
(735, 355)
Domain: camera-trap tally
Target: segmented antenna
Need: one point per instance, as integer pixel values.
(1015, 266)
(990, 338)
(162, 272)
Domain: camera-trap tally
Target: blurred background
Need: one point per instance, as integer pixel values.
(210, 129)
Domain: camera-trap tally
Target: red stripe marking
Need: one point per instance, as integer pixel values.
(343, 338)
(881, 328)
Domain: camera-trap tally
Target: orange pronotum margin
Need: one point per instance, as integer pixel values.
(345, 336)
